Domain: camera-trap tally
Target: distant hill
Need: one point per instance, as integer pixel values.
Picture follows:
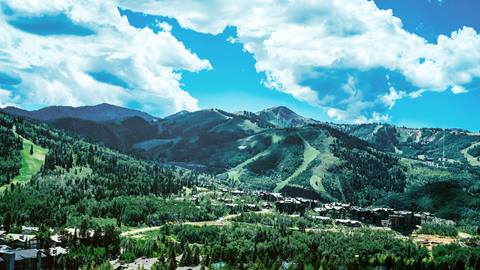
(99, 113)
(277, 149)
(417, 143)
(284, 117)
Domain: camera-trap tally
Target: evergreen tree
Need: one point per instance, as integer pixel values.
(186, 256)
(31, 149)
(172, 261)
(196, 256)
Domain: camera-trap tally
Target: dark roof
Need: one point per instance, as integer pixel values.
(26, 254)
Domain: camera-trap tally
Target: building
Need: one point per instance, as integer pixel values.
(404, 221)
(290, 206)
(322, 219)
(29, 230)
(25, 259)
(348, 222)
(18, 240)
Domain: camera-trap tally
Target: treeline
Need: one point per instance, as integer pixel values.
(254, 247)
(365, 174)
(10, 152)
(475, 151)
(81, 179)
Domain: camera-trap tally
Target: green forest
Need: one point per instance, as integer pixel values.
(88, 186)
(81, 179)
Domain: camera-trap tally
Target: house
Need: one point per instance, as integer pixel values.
(139, 263)
(267, 205)
(30, 230)
(57, 251)
(11, 259)
(322, 219)
(76, 232)
(270, 196)
(22, 240)
(238, 192)
(404, 220)
(231, 205)
(290, 206)
(250, 207)
(348, 222)
(56, 239)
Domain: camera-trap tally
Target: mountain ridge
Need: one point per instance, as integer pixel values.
(148, 134)
(103, 112)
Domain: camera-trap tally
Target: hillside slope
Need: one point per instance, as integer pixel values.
(417, 143)
(98, 113)
(80, 180)
(276, 149)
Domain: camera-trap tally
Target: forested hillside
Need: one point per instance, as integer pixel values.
(10, 149)
(80, 179)
(88, 186)
(279, 150)
(417, 143)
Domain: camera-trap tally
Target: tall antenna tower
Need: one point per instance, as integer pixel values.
(443, 150)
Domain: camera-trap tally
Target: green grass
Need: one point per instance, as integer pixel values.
(438, 229)
(418, 173)
(471, 159)
(309, 155)
(31, 164)
(236, 172)
(319, 173)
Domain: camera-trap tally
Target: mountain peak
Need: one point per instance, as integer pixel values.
(282, 116)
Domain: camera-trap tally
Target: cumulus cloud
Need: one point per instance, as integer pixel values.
(292, 40)
(457, 89)
(85, 52)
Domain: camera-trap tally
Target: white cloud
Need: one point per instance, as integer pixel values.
(55, 68)
(6, 98)
(392, 96)
(291, 39)
(457, 89)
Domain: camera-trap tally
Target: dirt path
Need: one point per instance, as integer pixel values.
(223, 221)
(430, 241)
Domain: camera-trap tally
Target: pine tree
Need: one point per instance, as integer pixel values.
(31, 149)
(196, 256)
(186, 256)
(172, 261)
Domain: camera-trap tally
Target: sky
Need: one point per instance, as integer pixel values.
(414, 63)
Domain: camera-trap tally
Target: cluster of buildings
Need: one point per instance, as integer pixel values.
(288, 204)
(330, 213)
(22, 250)
(380, 217)
(346, 214)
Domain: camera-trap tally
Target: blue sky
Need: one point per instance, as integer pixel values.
(352, 62)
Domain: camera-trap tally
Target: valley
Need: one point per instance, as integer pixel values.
(215, 185)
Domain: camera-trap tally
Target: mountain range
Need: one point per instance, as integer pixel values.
(99, 113)
(277, 149)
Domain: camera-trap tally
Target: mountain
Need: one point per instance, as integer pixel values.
(428, 144)
(284, 117)
(359, 164)
(99, 113)
(119, 134)
(277, 149)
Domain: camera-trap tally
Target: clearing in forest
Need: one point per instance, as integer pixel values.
(31, 164)
(471, 159)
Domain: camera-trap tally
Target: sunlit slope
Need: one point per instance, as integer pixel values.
(31, 163)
